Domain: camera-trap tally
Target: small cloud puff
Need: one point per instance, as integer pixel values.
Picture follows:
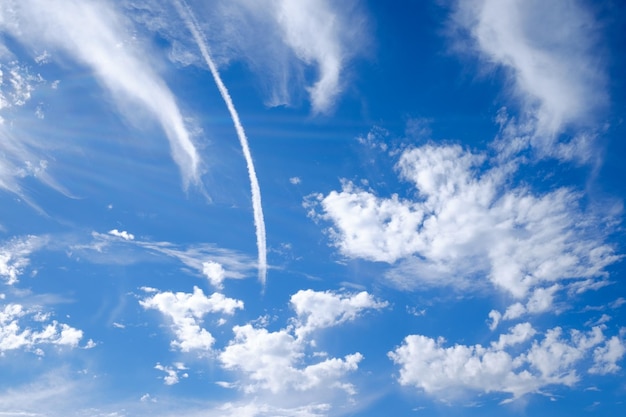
(123, 234)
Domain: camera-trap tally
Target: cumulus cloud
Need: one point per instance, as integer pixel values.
(92, 33)
(186, 310)
(445, 372)
(278, 362)
(15, 332)
(466, 222)
(270, 361)
(540, 301)
(123, 234)
(214, 272)
(549, 50)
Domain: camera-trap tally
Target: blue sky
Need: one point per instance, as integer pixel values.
(311, 208)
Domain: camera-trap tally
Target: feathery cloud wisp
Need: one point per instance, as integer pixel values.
(90, 32)
(549, 51)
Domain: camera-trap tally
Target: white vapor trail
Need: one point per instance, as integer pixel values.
(192, 24)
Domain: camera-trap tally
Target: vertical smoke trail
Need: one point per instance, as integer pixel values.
(190, 20)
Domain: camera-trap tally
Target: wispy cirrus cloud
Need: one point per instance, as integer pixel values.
(14, 255)
(551, 56)
(96, 34)
(272, 361)
(117, 247)
(281, 40)
(548, 49)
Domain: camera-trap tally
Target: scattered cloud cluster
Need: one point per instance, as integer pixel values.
(319, 309)
(274, 360)
(427, 364)
(173, 375)
(14, 334)
(186, 311)
(466, 222)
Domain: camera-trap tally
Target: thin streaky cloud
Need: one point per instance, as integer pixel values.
(89, 32)
(259, 223)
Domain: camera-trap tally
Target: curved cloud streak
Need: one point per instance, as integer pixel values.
(89, 32)
(548, 49)
(259, 223)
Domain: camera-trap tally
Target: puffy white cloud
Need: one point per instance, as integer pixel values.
(280, 361)
(445, 372)
(539, 301)
(605, 357)
(495, 317)
(270, 360)
(518, 334)
(186, 311)
(548, 49)
(469, 222)
(123, 234)
(16, 334)
(214, 272)
(318, 310)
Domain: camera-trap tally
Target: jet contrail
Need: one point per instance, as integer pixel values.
(192, 24)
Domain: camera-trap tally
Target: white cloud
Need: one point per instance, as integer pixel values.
(445, 372)
(214, 272)
(605, 357)
(518, 334)
(186, 311)
(15, 333)
(318, 310)
(313, 30)
(172, 372)
(280, 361)
(106, 248)
(93, 33)
(270, 360)
(549, 50)
(468, 222)
(295, 180)
(234, 264)
(123, 234)
(279, 39)
(14, 256)
(495, 317)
